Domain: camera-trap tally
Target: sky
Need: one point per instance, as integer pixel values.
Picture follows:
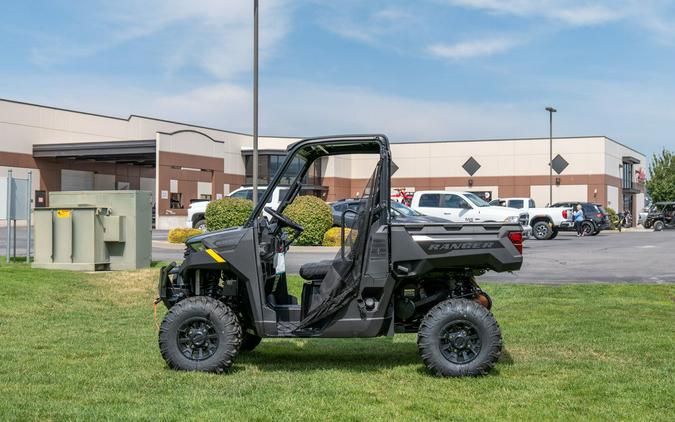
(420, 70)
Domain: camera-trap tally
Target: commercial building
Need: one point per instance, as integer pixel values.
(178, 162)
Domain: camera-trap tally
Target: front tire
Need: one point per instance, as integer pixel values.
(658, 226)
(200, 334)
(459, 337)
(541, 230)
(200, 225)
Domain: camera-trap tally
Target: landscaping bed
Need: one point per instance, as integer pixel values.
(85, 346)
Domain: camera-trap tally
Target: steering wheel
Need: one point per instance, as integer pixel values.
(284, 220)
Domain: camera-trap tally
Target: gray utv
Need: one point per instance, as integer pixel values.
(387, 278)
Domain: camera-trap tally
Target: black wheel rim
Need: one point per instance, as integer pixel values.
(460, 342)
(197, 339)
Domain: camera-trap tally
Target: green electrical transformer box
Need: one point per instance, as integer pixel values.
(94, 230)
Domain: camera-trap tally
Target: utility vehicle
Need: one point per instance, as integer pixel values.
(231, 290)
(661, 216)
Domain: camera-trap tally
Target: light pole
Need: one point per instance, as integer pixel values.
(550, 110)
(255, 102)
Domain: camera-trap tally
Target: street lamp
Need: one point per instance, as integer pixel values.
(255, 102)
(550, 110)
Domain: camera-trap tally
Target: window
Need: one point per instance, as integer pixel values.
(454, 201)
(430, 200)
(532, 204)
(516, 203)
(243, 194)
(479, 202)
(282, 194)
(627, 181)
(176, 200)
(269, 165)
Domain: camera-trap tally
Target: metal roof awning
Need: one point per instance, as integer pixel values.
(122, 152)
(629, 159)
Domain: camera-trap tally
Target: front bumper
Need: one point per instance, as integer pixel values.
(527, 232)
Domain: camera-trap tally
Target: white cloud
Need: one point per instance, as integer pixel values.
(215, 35)
(471, 49)
(571, 12)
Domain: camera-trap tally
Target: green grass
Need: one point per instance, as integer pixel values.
(83, 346)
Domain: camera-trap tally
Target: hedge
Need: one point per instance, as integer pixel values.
(314, 215)
(332, 237)
(180, 235)
(613, 218)
(227, 212)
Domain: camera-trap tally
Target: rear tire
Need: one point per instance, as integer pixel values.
(200, 334)
(541, 230)
(201, 225)
(587, 228)
(658, 226)
(459, 337)
(249, 342)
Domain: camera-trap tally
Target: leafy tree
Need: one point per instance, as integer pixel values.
(661, 183)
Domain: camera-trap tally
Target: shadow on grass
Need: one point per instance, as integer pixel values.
(358, 355)
(353, 355)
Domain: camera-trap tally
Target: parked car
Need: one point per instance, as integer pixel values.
(596, 218)
(399, 213)
(661, 216)
(545, 222)
(197, 209)
(466, 207)
(642, 216)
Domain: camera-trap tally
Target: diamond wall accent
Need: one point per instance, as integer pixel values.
(471, 166)
(559, 164)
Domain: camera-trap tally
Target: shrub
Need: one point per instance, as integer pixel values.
(227, 212)
(332, 237)
(613, 218)
(180, 235)
(314, 215)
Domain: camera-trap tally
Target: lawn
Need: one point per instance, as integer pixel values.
(83, 346)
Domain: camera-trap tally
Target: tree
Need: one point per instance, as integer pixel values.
(661, 183)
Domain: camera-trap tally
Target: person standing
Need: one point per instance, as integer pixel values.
(578, 215)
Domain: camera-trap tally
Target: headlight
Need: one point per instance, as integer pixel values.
(512, 219)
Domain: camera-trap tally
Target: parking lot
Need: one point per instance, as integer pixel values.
(610, 257)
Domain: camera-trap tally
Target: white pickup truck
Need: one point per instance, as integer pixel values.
(545, 222)
(466, 207)
(196, 210)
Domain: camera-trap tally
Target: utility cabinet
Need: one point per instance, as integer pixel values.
(94, 230)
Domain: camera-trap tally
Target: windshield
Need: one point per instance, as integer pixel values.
(476, 200)
(404, 211)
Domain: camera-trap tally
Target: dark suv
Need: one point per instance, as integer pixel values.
(596, 218)
(399, 213)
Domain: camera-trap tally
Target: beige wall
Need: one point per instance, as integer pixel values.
(513, 167)
(540, 193)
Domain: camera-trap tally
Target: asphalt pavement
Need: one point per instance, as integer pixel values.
(610, 257)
